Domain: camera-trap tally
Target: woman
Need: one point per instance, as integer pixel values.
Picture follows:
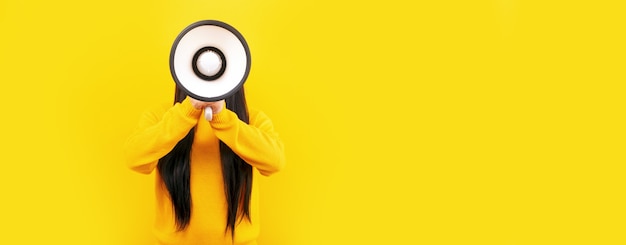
(205, 188)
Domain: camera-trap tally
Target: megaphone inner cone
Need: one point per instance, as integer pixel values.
(209, 63)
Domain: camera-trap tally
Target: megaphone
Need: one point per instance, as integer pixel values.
(210, 60)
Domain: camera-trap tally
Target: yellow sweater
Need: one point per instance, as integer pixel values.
(158, 132)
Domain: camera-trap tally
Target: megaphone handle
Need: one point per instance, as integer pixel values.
(208, 113)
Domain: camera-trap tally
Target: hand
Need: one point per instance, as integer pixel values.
(215, 106)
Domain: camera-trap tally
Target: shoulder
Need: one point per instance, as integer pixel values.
(160, 108)
(258, 117)
(156, 111)
(255, 114)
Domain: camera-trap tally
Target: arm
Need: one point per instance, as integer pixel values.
(157, 134)
(257, 144)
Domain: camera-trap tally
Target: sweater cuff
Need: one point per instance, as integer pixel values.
(224, 119)
(188, 110)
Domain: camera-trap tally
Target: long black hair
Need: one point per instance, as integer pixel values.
(174, 169)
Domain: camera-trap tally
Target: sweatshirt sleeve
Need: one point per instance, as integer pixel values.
(157, 134)
(257, 143)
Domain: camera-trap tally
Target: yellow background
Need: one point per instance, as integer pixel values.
(405, 122)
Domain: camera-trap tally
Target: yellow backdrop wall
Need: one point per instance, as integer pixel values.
(405, 122)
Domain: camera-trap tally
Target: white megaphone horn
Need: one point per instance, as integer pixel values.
(210, 61)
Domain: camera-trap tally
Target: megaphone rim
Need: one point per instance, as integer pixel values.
(230, 29)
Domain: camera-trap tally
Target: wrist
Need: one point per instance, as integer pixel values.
(189, 109)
